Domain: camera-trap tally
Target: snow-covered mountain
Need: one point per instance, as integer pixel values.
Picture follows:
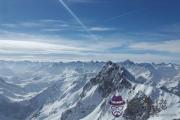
(82, 90)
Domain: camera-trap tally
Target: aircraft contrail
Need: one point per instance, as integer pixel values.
(76, 18)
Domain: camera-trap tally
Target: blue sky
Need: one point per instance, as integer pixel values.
(66, 30)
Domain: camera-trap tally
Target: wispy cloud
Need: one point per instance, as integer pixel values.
(32, 24)
(23, 24)
(101, 29)
(166, 46)
(53, 29)
(44, 23)
(17, 42)
(52, 26)
(15, 46)
(9, 25)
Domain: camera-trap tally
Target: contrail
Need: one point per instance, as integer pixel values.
(76, 18)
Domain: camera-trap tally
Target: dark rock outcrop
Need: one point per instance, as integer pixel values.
(139, 108)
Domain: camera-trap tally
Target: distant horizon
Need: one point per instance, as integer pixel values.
(93, 61)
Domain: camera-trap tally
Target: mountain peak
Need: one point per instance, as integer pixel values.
(128, 62)
(113, 70)
(112, 78)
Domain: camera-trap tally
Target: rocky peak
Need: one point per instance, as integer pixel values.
(114, 73)
(128, 62)
(111, 78)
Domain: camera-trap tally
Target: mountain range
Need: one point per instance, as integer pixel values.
(82, 90)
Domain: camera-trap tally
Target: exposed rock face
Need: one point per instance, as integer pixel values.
(139, 108)
(112, 77)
